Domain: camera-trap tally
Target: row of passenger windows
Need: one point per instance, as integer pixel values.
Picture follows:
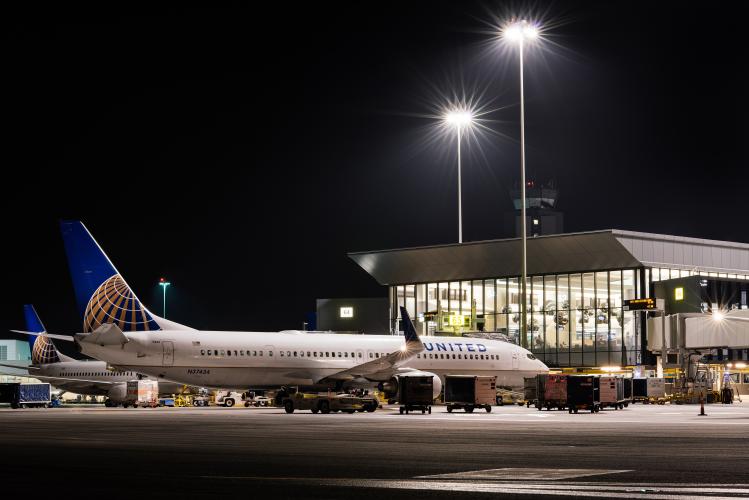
(458, 356)
(289, 354)
(100, 374)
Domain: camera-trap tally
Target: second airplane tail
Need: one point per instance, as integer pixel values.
(43, 351)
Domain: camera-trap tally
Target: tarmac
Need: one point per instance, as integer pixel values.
(643, 451)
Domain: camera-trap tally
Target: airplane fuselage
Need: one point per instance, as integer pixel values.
(244, 360)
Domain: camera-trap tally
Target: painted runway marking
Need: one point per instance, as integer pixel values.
(660, 491)
(523, 474)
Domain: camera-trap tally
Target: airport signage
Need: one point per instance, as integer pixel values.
(347, 312)
(645, 304)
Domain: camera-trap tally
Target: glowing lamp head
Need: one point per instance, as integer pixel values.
(459, 118)
(520, 31)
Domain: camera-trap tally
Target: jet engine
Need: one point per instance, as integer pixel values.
(390, 388)
(117, 393)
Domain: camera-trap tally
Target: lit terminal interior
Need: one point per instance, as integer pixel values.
(577, 289)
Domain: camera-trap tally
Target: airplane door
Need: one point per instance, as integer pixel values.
(515, 360)
(359, 357)
(168, 359)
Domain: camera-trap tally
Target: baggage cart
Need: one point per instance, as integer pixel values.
(144, 393)
(612, 392)
(415, 393)
(555, 392)
(627, 383)
(530, 386)
(649, 390)
(583, 393)
(470, 392)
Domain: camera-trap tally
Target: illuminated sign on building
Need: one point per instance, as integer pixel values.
(679, 293)
(639, 304)
(347, 312)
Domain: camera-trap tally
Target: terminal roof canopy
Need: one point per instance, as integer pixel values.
(563, 253)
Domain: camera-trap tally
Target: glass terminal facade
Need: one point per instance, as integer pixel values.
(575, 319)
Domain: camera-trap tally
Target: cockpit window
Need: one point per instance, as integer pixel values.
(530, 356)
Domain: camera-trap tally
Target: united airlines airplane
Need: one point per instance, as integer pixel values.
(91, 378)
(119, 330)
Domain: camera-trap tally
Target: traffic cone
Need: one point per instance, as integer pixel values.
(702, 407)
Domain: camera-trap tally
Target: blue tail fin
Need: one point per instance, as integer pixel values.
(102, 294)
(408, 327)
(43, 351)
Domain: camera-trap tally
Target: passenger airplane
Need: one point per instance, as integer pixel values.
(119, 330)
(91, 378)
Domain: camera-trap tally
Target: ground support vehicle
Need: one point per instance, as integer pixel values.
(470, 392)
(415, 393)
(143, 393)
(508, 396)
(553, 387)
(583, 393)
(228, 398)
(326, 403)
(258, 401)
(26, 395)
(612, 392)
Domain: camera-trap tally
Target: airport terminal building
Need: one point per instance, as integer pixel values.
(576, 288)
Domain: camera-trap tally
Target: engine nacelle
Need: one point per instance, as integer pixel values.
(117, 393)
(390, 388)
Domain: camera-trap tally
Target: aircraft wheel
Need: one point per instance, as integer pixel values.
(488, 409)
(324, 407)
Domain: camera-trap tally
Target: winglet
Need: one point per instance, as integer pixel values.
(409, 331)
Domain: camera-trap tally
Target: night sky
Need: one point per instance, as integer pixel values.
(242, 152)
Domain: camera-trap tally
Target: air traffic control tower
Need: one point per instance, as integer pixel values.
(542, 218)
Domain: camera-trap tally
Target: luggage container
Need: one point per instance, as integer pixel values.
(627, 383)
(142, 393)
(649, 390)
(583, 393)
(470, 392)
(26, 395)
(415, 393)
(530, 386)
(555, 392)
(612, 392)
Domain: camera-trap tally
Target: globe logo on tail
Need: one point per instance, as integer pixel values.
(44, 351)
(114, 302)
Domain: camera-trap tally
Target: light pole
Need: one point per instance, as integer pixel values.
(520, 32)
(459, 118)
(163, 284)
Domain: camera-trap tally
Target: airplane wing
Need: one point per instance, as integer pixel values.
(72, 379)
(384, 367)
(69, 338)
(24, 365)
